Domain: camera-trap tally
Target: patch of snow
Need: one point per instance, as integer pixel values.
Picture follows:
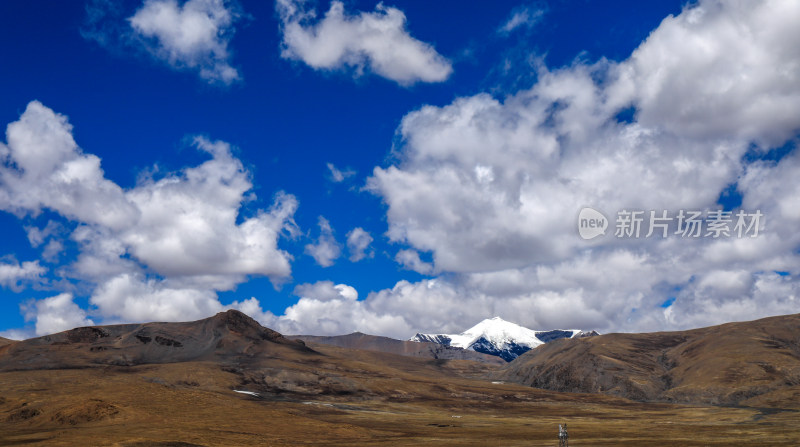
(252, 393)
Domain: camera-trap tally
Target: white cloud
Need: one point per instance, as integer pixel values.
(43, 167)
(358, 241)
(526, 16)
(193, 35)
(12, 274)
(338, 176)
(252, 307)
(52, 250)
(751, 296)
(491, 188)
(130, 297)
(773, 189)
(55, 314)
(50, 233)
(185, 228)
(326, 308)
(430, 305)
(719, 70)
(188, 222)
(326, 250)
(376, 41)
(410, 260)
(489, 185)
(37, 236)
(615, 291)
(326, 291)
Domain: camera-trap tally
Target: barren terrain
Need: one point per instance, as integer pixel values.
(129, 394)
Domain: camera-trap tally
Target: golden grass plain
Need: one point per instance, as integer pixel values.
(405, 402)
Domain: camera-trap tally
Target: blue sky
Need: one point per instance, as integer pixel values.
(140, 81)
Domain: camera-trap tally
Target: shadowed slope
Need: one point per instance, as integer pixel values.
(747, 363)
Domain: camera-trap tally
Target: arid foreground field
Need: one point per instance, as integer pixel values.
(114, 386)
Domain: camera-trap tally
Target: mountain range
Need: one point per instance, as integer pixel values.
(227, 380)
(501, 338)
(357, 340)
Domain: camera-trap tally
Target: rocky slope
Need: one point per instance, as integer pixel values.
(748, 363)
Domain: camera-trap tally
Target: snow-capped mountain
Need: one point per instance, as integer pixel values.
(498, 337)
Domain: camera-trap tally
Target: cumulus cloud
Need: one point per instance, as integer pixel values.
(252, 307)
(369, 41)
(770, 187)
(326, 249)
(326, 308)
(719, 70)
(488, 187)
(191, 35)
(326, 291)
(194, 35)
(13, 274)
(185, 229)
(433, 305)
(491, 188)
(358, 241)
(43, 167)
(130, 297)
(55, 314)
(188, 222)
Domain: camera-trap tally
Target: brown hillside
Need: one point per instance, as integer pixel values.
(748, 363)
(175, 384)
(227, 335)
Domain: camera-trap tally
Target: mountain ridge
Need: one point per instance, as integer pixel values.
(501, 338)
(741, 363)
(230, 333)
(359, 340)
